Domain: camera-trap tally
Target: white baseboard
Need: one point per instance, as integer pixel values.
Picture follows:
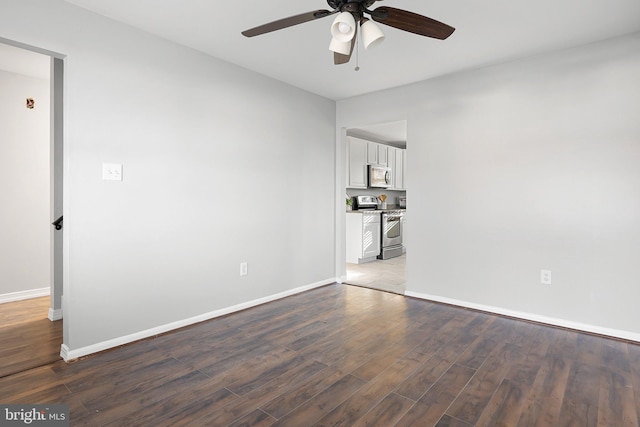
(64, 352)
(68, 354)
(55, 314)
(615, 333)
(22, 295)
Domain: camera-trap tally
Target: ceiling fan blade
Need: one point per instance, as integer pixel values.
(411, 22)
(339, 58)
(288, 22)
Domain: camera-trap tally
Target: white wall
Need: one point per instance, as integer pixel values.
(24, 184)
(208, 151)
(525, 166)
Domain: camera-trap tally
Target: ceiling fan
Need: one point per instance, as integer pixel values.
(345, 26)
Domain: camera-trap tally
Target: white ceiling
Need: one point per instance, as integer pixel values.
(487, 32)
(394, 133)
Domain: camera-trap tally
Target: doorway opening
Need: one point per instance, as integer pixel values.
(368, 260)
(31, 146)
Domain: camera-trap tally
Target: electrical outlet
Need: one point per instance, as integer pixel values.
(244, 269)
(111, 172)
(545, 277)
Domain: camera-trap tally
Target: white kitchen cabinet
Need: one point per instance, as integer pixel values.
(398, 169)
(356, 163)
(377, 154)
(361, 153)
(396, 161)
(363, 237)
(404, 169)
(372, 153)
(382, 154)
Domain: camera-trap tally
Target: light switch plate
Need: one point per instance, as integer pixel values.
(244, 268)
(112, 172)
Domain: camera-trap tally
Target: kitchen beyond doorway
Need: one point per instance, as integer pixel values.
(386, 275)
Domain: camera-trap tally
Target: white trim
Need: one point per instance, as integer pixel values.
(32, 48)
(55, 314)
(64, 352)
(615, 333)
(67, 354)
(22, 295)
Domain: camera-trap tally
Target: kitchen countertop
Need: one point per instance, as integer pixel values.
(376, 210)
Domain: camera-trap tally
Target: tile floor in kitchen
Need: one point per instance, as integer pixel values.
(386, 275)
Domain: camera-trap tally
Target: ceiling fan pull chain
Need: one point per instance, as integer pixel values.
(357, 51)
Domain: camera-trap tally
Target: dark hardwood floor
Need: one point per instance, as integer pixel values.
(27, 337)
(349, 356)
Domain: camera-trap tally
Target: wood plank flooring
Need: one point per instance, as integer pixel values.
(348, 356)
(27, 337)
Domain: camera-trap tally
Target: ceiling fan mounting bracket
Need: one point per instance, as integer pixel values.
(358, 8)
(353, 6)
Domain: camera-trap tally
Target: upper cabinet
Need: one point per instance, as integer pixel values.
(398, 169)
(372, 153)
(361, 153)
(356, 163)
(377, 154)
(396, 159)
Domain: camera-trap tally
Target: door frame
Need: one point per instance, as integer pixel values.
(56, 178)
(340, 229)
(57, 186)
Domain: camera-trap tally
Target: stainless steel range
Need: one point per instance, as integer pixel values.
(366, 202)
(391, 242)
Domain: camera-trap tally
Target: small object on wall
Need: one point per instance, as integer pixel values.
(244, 269)
(112, 172)
(545, 277)
(31, 103)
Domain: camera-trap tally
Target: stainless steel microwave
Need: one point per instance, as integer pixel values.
(379, 176)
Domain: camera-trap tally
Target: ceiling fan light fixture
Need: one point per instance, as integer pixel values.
(344, 27)
(371, 34)
(343, 48)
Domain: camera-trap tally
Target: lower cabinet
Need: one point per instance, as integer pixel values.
(363, 237)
